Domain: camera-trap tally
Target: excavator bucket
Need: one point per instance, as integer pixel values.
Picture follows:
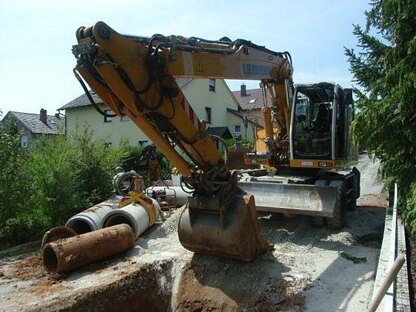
(229, 230)
(299, 199)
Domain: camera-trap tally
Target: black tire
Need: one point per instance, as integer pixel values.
(352, 204)
(315, 220)
(357, 174)
(338, 221)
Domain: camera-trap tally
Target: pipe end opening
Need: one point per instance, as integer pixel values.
(49, 258)
(118, 219)
(80, 226)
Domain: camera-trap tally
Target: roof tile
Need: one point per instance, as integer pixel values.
(36, 126)
(252, 94)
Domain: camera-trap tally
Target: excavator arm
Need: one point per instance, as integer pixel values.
(135, 76)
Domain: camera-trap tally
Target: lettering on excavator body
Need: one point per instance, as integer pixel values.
(254, 69)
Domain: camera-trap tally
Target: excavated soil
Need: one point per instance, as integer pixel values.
(310, 269)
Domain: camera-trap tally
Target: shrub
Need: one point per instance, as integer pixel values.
(15, 181)
(44, 185)
(96, 164)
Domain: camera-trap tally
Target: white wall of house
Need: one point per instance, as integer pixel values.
(236, 123)
(199, 93)
(113, 131)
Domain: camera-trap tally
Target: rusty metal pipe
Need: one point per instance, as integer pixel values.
(67, 254)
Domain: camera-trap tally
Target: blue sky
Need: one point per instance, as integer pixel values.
(36, 60)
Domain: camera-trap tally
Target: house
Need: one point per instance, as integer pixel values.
(251, 101)
(35, 125)
(211, 100)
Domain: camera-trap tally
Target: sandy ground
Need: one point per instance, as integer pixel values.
(309, 269)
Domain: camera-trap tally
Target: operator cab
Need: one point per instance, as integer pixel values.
(321, 117)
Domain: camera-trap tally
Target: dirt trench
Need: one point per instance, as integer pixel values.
(158, 274)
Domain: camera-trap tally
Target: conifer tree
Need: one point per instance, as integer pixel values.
(384, 68)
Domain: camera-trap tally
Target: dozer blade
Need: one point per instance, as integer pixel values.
(229, 230)
(292, 198)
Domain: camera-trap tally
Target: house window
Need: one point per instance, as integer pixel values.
(106, 117)
(124, 118)
(211, 85)
(24, 141)
(208, 114)
(237, 130)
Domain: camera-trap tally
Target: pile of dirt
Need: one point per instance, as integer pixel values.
(211, 284)
(373, 200)
(28, 267)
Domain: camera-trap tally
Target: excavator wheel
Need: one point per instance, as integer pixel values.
(317, 221)
(234, 233)
(339, 219)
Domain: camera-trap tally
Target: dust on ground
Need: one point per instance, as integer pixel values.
(310, 269)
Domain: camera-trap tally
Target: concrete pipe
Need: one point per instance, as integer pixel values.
(90, 219)
(123, 182)
(173, 195)
(70, 253)
(138, 216)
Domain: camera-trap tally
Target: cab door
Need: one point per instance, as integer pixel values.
(344, 115)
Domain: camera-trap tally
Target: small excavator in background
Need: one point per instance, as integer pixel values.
(135, 76)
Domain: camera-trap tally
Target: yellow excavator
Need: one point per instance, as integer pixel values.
(313, 154)
(135, 76)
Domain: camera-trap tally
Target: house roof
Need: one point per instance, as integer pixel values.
(252, 119)
(33, 123)
(182, 82)
(83, 100)
(252, 100)
(222, 132)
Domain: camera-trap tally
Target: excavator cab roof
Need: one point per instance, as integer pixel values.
(318, 92)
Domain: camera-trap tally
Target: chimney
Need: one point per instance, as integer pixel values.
(243, 90)
(43, 116)
(57, 116)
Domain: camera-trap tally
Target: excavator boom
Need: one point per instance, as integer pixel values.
(135, 76)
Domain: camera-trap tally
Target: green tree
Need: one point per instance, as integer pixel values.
(95, 163)
(385, 69)
(42, 186)
(17, 221)
(55, 175)
(14, 178)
